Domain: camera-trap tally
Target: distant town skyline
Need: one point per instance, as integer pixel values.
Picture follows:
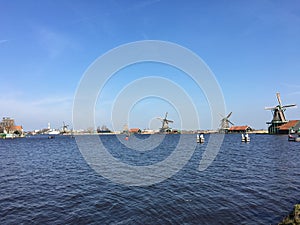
(252, 48)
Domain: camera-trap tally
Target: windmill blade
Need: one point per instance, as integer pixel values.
(291, 105)
(221, 115)
(166, 115)
(229, 115)
(270, 108)
(169, 121)
(159, 118)
(230, 122)
(278, 98)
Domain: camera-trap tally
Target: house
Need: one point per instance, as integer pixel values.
(135, 130)
(291, 126)
(239, 129)
(103, 129)
(7, 126)
(17, 130)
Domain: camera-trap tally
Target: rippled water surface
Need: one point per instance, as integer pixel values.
(47, 181)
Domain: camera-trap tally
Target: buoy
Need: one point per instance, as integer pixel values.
(200, 138)
(245, 138)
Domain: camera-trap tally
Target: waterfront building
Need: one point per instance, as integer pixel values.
(239, 129)
(293, 126)
(135, 130)
(8, 126)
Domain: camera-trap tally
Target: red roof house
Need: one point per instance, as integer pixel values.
(239, 129)
(291, 125)
(135, 130)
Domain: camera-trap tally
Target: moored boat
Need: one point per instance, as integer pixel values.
(293, 138)
(54, 132)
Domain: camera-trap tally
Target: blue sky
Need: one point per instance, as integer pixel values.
(252, 47)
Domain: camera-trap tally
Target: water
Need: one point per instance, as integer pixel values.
(47, 181)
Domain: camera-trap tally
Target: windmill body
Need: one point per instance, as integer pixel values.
(278, 115)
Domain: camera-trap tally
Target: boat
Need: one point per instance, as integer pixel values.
(293, 138)
(54, 132)
(9, 136)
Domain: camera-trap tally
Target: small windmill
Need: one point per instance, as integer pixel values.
(224, 125)
(278, 115)
(165, 123)
(64, 128)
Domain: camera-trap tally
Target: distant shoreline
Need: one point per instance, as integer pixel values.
(148, 133)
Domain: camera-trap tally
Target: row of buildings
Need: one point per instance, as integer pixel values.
(286, 127)
(9, 128)
(278, 125)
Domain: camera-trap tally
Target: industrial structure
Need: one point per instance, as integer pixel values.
(279, 123)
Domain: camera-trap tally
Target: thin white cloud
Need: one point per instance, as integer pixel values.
(289, 85)
(53, 42)
(52, 100)
(3, 41)
(142, 4)
(294, 93)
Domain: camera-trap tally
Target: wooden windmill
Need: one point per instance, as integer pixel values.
(278, 115)
(224, 125)
(64, 128)
(165, 123)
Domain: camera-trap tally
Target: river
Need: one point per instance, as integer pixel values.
(47, 181)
